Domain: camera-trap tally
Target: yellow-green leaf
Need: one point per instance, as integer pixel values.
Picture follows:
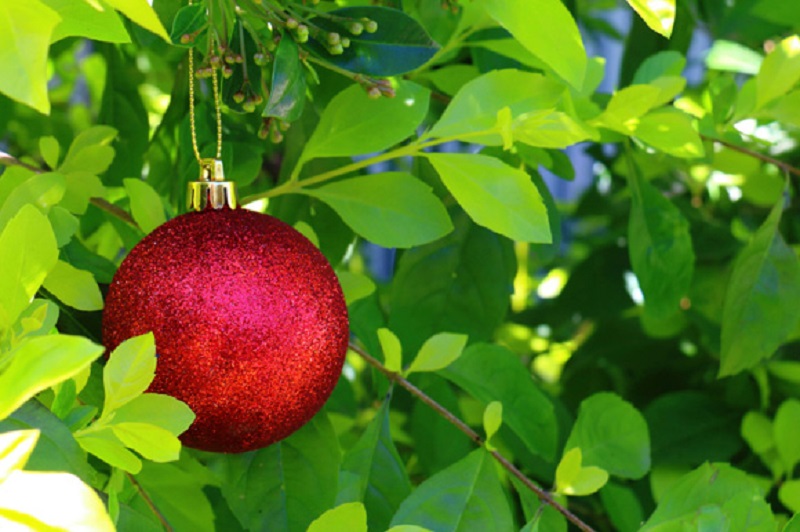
(129, 371)
(492, 420)
(28, 252)
(51, 501)
(438, 352)
(92, 19)
(146, 206)
(355, 286)
(15, 449)
(349, 517)
(392, 350)
(41, 362)
(25, 31)
(574, 479)
(779, 71)
(140, 12)
(659, 15)
(105, 445)
(74, 287)
(152, 442)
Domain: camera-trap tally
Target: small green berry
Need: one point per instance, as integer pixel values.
(356, 28)
(302, 33)
(374, 92)
(227, 71)
(238, 97)
(345, 42)
(371, 26)
(336, 49)
(334, 38)
(292, 23)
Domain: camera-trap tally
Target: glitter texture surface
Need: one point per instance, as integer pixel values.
(249, 319)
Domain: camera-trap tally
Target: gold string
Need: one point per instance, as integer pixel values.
(217, 108)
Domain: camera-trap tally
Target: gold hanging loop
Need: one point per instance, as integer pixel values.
(211, 189)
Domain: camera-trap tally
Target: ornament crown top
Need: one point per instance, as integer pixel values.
(211, 189)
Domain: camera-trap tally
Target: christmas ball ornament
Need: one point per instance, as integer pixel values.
(249, 320)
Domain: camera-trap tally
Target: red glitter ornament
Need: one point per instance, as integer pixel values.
(249, 320)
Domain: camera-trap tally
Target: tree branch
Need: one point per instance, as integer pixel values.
(150, 503)
(543, 495)
(786, 167)
(101, 203)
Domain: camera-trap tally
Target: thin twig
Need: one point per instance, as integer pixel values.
(786, 167)
(150, 503)
(100, 203)
(543, 495)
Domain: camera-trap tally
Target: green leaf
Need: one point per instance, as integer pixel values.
(787, 434)
(659, 15)
(668, 63)
(15, 449)
(81, 187)
(757, 431)
(25, 33)
(107, 447)
(492, 420)
(354, 285)
(549, 32)
(670, 131)
(27, 253)
(793, 525)
(392, 350)
(56, 449)
(160, 410)
(627, 106)
(42, 191)
(50, 150)
(779, 72)
(550, 129)
(459, 283)
(65, 225)
(623, 507)
(351, 516)
(495, 195)
(438, 352)
(492, 373)
(691, 427)
(660, 248)
(789, 495)
(731, 56)
(89, 139)
(188, 20)
(355, 124)
(465, 496)
(398, 46)
(179, 495)
(146, 206)
(140, 12)
(90, 19)
(41, 362)
(475, 107)
(284, 486)
(712, 487)
(612, 435)
(150, 441)
(574, 479)
(762, 301)
(381, 475)
(78, 506)
(129, 371)
(391, 209)
(287, 96)
(74, 287)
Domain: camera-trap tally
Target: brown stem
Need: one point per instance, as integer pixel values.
(543, 495)
(100, 203)
(786, 167)
(150, 503)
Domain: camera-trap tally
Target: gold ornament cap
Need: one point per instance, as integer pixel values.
(211, 190)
